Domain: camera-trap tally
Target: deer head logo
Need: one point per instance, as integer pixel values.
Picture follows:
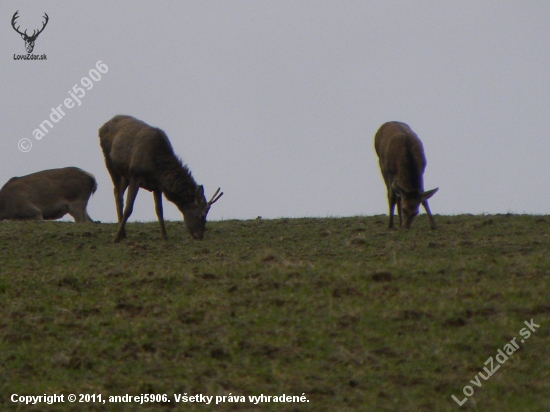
(29, 40)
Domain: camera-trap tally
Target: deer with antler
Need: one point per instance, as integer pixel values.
(29, 40)
(140, 156)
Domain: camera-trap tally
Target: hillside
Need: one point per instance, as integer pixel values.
(353, 316)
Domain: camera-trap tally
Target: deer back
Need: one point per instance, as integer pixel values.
(132, 148)
(401, 156)
(44, 190)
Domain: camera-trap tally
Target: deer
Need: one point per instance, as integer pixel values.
(402, 163)
(48, 195)
(140, 156)
(29, 40)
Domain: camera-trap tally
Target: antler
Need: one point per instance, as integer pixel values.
(212, 201)
(34, 33)
(15, 16)
(43, 27)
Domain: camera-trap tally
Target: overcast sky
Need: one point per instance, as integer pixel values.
(277, 102)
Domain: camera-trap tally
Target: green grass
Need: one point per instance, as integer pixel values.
(356, 317)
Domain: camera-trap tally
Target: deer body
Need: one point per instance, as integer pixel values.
(48, 195)
(140, 156)
(402, 163)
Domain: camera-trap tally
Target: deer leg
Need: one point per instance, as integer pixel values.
(120, 188)
(428, 211)
(133, 188)
(400, 211)
(118, 199)
(28, 212)
(77, 209)
(79, 215)
(87, 217)
(157, 194)
(391, 200)
(34, 214)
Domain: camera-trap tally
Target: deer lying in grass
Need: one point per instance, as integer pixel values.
(140, 156)
(48, 195)
(402, 163)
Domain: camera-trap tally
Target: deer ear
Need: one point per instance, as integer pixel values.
(23, 36)
(429, 193)
(398, 190)
(199, 195)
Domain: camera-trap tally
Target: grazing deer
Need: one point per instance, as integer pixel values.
(29, 40)
(402, 163)
(48, 195)
(140, 156)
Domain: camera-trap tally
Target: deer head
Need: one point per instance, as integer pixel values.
(410, 202)
(29, 40)
(194, 214)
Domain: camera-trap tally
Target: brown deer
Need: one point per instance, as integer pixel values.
(48, 195)
(402, 163)
(140, 156)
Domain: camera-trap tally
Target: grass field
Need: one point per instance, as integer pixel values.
(342, 310)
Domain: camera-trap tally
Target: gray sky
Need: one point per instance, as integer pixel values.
(277, 102)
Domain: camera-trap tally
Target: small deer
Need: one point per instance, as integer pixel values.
(140, 156)
(402, 163)
(48, 195)
(29, 40)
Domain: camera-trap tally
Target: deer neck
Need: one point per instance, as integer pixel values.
(178, 186)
